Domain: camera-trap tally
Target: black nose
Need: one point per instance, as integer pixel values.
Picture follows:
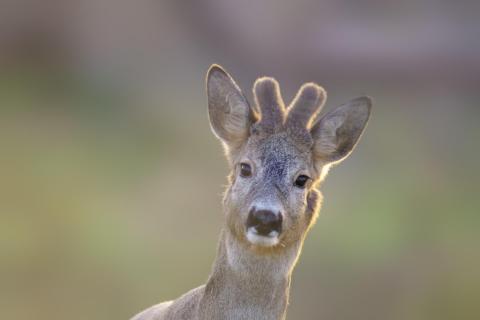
(264, 221)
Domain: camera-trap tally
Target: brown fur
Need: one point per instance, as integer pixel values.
(251, 280)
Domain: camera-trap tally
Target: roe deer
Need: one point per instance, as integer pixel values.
(278, 156)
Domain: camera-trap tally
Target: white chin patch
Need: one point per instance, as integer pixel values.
(267, 241)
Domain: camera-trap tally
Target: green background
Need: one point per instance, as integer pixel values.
(111, 181)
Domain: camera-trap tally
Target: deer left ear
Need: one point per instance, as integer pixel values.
(228, 109)
(336, 134)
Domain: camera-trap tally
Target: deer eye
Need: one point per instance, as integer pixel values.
(245, 170)
(301, 181)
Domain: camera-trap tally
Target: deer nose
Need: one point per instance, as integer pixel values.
(264, 221)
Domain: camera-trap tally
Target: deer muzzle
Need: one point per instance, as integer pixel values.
(264, 223)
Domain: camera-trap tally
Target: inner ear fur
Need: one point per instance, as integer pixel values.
(336, 133)
(228, 110)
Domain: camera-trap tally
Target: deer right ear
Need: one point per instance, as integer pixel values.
(228, 109)
(337, 133)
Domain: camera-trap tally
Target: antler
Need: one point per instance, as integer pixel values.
(269, 100)
(300, 114)
(307, 104)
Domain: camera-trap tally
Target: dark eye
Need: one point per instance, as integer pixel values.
(301, 181)
(245, 170)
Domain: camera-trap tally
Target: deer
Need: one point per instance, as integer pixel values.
(278, 156)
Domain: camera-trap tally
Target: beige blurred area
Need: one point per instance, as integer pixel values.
(111, 181)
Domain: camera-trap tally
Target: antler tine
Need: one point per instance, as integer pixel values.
(307, 104)
(269, 101)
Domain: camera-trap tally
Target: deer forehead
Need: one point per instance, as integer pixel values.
(279, 154)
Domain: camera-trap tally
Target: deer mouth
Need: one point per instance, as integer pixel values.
(267, 240)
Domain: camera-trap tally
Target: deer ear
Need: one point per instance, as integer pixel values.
(228, 109)
(336, 134)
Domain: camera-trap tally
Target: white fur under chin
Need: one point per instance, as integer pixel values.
(266, 241)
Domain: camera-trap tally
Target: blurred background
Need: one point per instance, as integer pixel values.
(103, 130)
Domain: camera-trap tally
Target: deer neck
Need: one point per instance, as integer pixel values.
(245, 285)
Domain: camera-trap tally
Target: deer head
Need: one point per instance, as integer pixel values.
(278, 155)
